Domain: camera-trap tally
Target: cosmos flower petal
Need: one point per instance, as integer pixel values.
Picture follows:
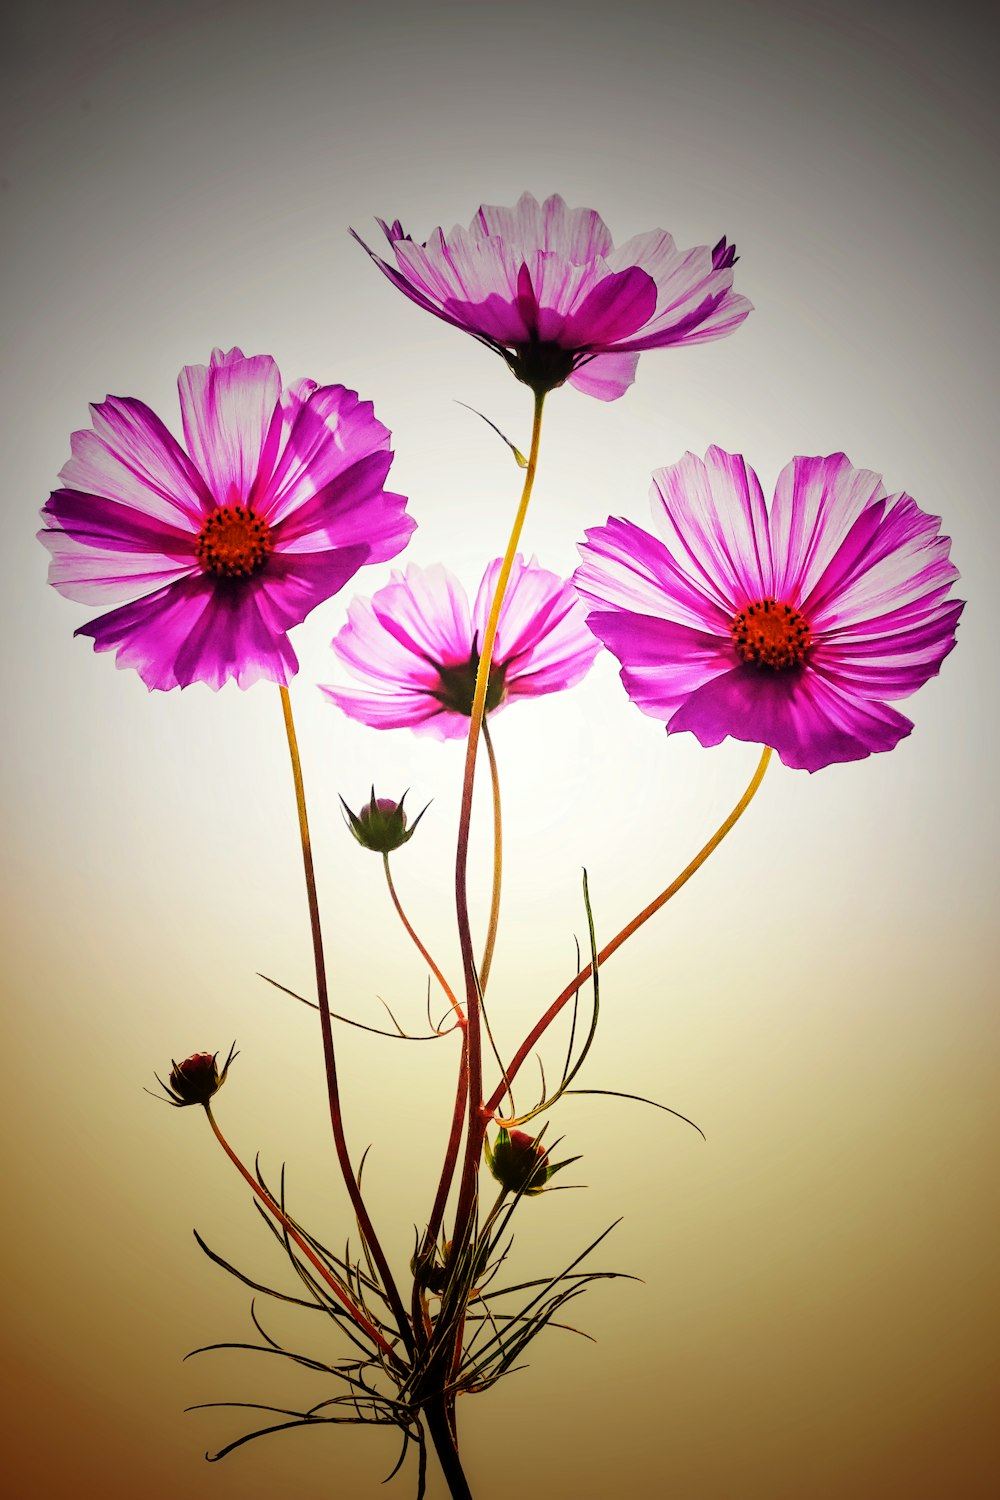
(326, 431)
(227, 407)
(414, 647)
(807, 719)
(542, 637)
(894, 664)
(605, 376)
(816, 503)
(626, 567)
(791, 629)
(219, 585)
(903, 560)
(544, 285)
(130, 457)
(579, 234)
(713, 518)
(398, 708)
(190, 631)
(103, 551)
(666, 661)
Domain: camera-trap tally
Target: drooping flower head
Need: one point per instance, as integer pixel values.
(414, 647)
(794, 628)
(544, 286)
(220, 553)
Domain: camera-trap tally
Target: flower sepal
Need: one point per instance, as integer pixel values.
(520, 1163)
(381, 824)
(197, 1079)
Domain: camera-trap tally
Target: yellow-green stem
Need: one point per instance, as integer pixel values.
(474, 1136)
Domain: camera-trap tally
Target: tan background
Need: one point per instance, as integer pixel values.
(817, 1312)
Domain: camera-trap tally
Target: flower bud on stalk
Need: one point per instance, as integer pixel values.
(197, 1079)
(381, 824)
(520, 1163)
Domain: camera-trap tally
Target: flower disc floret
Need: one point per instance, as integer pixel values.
(794, 627)
(214, 553)
(770, 634)
(545, 286)
(234, 542)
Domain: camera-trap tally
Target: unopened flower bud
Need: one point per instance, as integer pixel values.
(381, 824)
(431, 1268)
(519, 1162)
(197, 1079)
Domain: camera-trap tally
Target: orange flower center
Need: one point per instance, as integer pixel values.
(770, 634)
(234, 543)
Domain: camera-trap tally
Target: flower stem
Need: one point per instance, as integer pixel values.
(476, 1117)
(630, 927)
(418, 944)
(336, 1114)
(491, 934)
(293, 1234)
(440, 1424)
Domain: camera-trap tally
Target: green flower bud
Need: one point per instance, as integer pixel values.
(381, 824)
(519, 1162)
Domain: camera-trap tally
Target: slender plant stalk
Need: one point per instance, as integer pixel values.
(336, 1114)
(476, 1117)
(293, 1234)
(418, 944)
(439, 1416)
(491, 933)
(630, 927)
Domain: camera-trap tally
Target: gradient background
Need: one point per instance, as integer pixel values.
(818, 1313)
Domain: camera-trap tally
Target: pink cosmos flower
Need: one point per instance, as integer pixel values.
(414, 647)
(790, 629)
(544, 286)
(219, 554)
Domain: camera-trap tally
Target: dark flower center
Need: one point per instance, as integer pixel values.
(540, 365)
(457, 686)
(234, 542)
(770, 634)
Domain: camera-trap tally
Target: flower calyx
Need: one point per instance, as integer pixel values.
(197, 1079)
(381, 824)
(520, 1163)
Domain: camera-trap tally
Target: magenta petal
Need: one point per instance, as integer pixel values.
(293, 583)
(399, 708)
(868, 573)
(809, 721)
(191, 631)
(227, 408)
(713, 519)
(352, 509)
(324, 435)
(662, 662)
(130, 457)
(542, 640)
(605, 376)
(548, 273)
(816, 503)
(620, 303)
